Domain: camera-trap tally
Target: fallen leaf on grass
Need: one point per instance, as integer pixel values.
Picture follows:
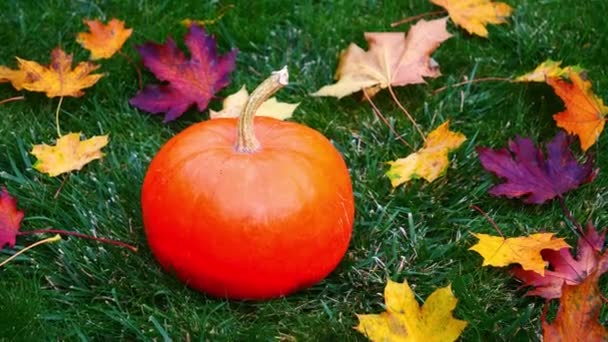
(69, 154)
(104, 40)
(547, 69)
(474, 15)
(524, 250)
(578, 315)
(193, 81)
(404, 319)
(10, 223)
(585, 112)
(392, 59)
(234, 104)
(204, 22)
(529, 175)
(57, 79)
(430, 161)
(10, 219)
(565, 269)
(16, 77)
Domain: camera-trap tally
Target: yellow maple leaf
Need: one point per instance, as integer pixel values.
(474, 15)
(69, 153)
(523, 250)
(405, 321)
(547, 69)
(430, 161)
(58, 79)
(16, 77)
(392, 59)
(204, 22)
(104, 40)
(233, 105)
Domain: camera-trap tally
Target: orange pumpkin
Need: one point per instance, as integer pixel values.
(248, 208)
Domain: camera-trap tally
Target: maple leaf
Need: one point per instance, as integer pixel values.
(104, 40)
(585, 112)
(69, 153)
(524, 250)
(193, 81)
(405, 321)
(578, 315)
(393, 59)
(10, 219)
(548, 69)
(566, 269)
(429, 162)
(234, 104)
(529, 175)
(474, 15)
(16, 77)
(57, 79)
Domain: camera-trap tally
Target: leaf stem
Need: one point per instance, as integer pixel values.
(489, 219)
(409, 116)
(568, 214)
(11, 99)
(383, 118)
(407, 20)
(476, 80)
(37, 243)
(137, 69)
(579, 227)
(79, 235)
(57, 116)
(246, 140)
(61, 186)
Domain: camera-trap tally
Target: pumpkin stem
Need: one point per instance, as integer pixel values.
(246, 141)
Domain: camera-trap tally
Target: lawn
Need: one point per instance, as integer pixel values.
(80, 290)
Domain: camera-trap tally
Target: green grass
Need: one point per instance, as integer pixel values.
(80, 290)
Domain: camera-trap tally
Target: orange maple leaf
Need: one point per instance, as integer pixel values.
(393, 59)
(474, 15)
(584, 114)
(578, 314)
(104, 40)
(57, 79)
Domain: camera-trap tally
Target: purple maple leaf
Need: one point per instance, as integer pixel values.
(529, 175)
(188, 82)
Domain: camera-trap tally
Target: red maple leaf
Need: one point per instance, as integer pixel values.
(564, 268)
(188, 82)
(10, 219)
(528, 174)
